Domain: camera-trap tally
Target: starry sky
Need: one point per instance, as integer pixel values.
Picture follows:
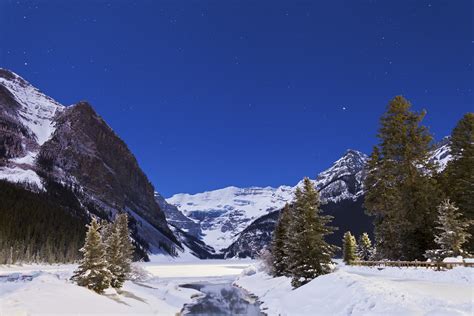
(209, 94)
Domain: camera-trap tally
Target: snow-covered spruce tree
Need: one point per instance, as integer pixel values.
(458, 177)
(364, 247)
(349, 248)
(278, 246)
(401, 190)
(309, 254)
(114, 255)
(126, 246)
(93, 271)
(106, 229)
(453, 230)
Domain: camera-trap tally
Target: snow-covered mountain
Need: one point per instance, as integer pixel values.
(42, 141)
(440, 155)
(27, 123)
(239, 221)
(224, 213)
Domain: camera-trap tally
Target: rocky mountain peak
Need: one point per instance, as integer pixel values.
(43, 141)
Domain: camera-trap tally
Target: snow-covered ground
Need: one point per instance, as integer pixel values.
(38, 289)
(366, 291)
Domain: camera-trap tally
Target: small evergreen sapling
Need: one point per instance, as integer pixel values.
(453, 231)
(364, 249)
(349, 248)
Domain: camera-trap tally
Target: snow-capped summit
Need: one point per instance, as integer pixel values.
(441, 154)
(36, 110)
(225, 212)
(344, 179)
(28, 122)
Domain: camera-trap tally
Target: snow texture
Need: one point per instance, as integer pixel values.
(46, 290)
(367, 291)
(37, 110)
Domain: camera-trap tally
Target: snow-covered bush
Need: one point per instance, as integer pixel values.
(250, 270)
(138, 273)
(266, 259)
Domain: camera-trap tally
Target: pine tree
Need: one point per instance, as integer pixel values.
(401, 190)
(309, 253)
(93, 271)
(453, 230)
(126, 246)
(364, 247)
(458, 177)
(114, 255)
(349, 248)
(278, 247)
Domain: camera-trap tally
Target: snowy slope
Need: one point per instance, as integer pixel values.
(441, 154)
(366, 291)
(36, 114)
(37, 110)
(226, 212)
(223, 213)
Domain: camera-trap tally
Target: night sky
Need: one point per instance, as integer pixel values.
(247, 93)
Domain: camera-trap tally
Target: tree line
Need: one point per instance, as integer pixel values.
(419, 212)
(36, 227)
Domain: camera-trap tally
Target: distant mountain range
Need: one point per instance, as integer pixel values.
(238, 222)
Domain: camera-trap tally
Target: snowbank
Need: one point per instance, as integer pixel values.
(31, 293)
(367, 291)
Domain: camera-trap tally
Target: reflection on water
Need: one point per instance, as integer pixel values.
(221, 299)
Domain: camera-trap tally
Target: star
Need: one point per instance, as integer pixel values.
(26, 64)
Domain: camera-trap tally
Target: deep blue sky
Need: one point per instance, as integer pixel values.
(215, 93)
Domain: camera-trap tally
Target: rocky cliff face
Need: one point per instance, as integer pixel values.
(177, 219)
(41, 139)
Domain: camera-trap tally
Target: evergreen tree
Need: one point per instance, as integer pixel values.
(401, 189)
(93, 271)
(278, 247)
(453, 230)
(114, 255)
(458, 177)
(364, 247)
(126, 245)
(310, 254)
(349, 248)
